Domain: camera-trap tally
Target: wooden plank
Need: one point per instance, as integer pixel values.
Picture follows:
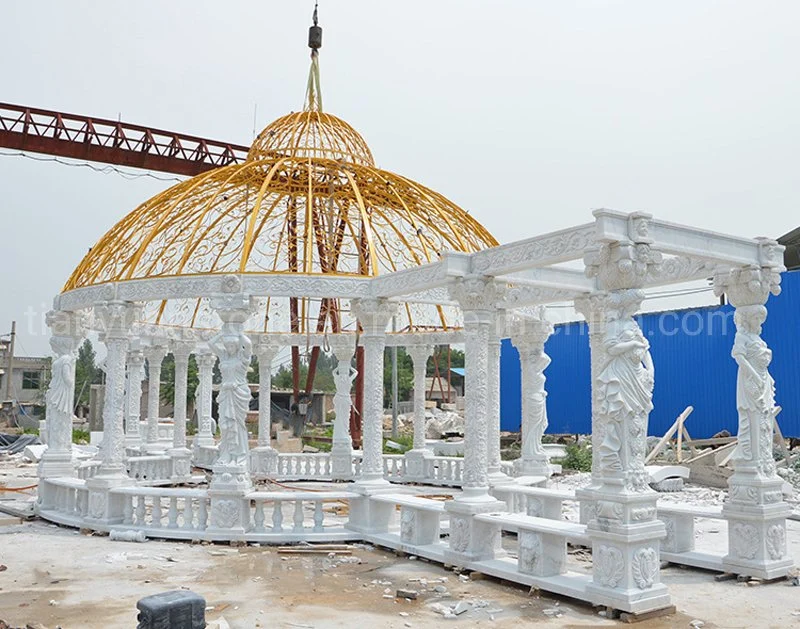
(667, 435)
(631, 617)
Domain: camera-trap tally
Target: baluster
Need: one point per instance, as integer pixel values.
(202, 514)
(156, 512)
(140, 510)
(83, 500)
(258, 517)
(188, 513)
(173, 513)
(298, 516)
(277, 516)
(318, 516)
(127, 511)
(244, 507)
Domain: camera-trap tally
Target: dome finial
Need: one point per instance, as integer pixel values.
(314, 90)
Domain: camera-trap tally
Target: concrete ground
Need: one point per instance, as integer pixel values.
(60, 578)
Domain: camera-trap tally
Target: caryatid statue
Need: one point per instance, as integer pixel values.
(234, 350)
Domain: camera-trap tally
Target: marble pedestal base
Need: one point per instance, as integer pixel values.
(470, 540)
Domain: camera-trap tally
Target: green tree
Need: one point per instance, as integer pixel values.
(86, 373)
(167, 390)
(323, 378)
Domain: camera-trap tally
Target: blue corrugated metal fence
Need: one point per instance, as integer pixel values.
(691, 351)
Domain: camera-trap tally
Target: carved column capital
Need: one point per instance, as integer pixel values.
(373, 314)
(626, 263)
(67, 324)
(116, 317)
(419, 353)
(233, 308)
(749, 285)
(155, 353)
(343, 346)
(477, 293)
(265, 348)
(530, 332)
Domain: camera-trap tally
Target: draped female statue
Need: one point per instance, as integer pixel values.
(755, 390)
(625, 391)
(234, 351)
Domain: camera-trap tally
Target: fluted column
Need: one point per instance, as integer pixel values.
(264, 458)
(133, 395)
(206, 360)
(529, 335)
(67, 329)
(154, 354)
(755, 509)
(373, 315)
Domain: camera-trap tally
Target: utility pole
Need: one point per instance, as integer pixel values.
(10, 364)
(394, 381)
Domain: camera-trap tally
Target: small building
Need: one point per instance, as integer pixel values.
(29, 376)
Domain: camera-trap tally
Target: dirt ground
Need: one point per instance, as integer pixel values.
(58, 577)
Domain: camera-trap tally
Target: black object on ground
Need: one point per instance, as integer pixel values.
(179, 609)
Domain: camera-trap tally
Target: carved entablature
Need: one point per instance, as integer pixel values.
(750, 285)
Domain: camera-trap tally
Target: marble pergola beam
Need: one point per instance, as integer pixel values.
(687, 253)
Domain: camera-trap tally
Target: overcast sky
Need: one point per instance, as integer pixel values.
(528, 114)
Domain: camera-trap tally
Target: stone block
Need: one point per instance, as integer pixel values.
(179, 609)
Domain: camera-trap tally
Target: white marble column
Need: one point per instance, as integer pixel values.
(495, 474)
(206, 360)
(415, 458)
(624, 529)
(264, 458)
(471, 540)
(67, 329)
(343, 348)
(154, 353)
(231, 479)
(116, 318)
(373, 315)
(755, 509)
(179, 454)
(133, 395)
(529, 336)
(593, 308)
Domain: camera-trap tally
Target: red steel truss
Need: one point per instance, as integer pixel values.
(112, 142)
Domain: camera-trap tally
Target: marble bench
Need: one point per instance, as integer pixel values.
(542, 548)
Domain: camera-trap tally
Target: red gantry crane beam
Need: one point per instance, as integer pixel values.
(112, 142)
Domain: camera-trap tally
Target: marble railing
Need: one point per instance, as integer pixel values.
(65, 496)
(156, 468)
(88, 469)
(295, 513)
(304, 466)
(168, 508)
(394, 467)
(444, 470)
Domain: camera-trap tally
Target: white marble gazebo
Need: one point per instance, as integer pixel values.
(496, 292)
